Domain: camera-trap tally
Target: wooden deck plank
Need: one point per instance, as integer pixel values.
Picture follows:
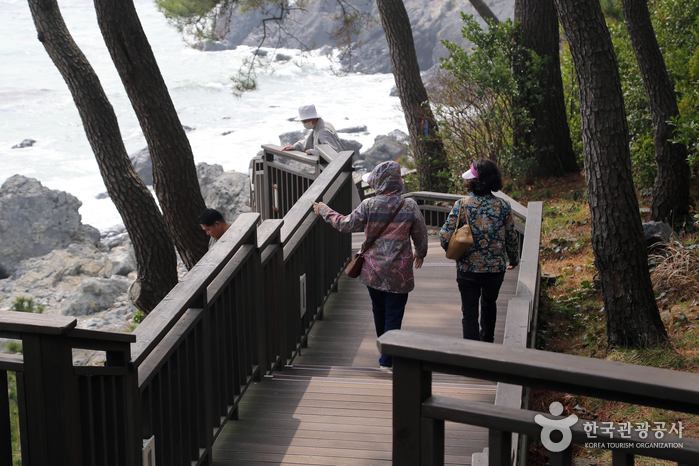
(333, 406)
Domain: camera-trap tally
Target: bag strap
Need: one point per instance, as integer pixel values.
(369, 242)
(461, 206)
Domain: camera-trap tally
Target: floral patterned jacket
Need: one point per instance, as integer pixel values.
(495, 240)
(388, 264)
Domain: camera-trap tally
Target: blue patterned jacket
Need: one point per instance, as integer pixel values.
(495, 240)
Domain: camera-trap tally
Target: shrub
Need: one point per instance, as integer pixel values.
(23, 304)
(475, 97)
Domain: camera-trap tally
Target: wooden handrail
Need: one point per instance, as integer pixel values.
(190, 292)
(303, 207)
(416, 356)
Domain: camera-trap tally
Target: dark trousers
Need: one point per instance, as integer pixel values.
(388, 311)
(483, 287)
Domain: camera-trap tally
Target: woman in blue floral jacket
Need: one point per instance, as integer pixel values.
(480, 271)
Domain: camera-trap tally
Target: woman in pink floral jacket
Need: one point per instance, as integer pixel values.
(388, 264)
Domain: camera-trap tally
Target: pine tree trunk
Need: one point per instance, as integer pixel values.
(633, 318)
(155, 253)
(548, 139)
(174, 173)
(428, 149)
(670, 198)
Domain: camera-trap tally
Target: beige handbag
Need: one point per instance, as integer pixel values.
(462, 239)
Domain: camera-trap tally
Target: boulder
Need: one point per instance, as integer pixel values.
(23, 144)
(351, 144)
(659, 234)
(353, 129)
(144, 168)
(228, 192)
(35, 220)
(292, 137)
(94, 295)
(385, 148)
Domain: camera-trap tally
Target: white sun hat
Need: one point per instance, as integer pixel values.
(470, 174)
(307, 112)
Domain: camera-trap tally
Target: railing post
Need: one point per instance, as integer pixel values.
(432, 442)
(411, 386)
(499, 448)
(53, 404)
(5, 434)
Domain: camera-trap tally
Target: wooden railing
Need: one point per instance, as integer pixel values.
(244, 308)
(418, 416)
(80, 414)
(279, 178)
(522, 310)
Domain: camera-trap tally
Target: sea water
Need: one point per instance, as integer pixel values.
(35, 102)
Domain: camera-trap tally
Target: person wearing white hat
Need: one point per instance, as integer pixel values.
(323, 132)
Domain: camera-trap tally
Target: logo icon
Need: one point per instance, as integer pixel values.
(561, 425)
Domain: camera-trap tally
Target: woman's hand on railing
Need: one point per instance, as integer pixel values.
(317, 206)
(418, 263)
(288, 148)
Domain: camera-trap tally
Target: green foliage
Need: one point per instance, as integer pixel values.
(23, 304)
(676, 23)
(14, 418)
(196, 18)
(475, 100)
(642, 142)
(572, 102)
(14, 347)
(138, 317)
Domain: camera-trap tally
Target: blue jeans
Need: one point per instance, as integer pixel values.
(483, 287)
(388, 311)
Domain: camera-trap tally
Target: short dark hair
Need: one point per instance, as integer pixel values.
(489, 178)
(210, 216)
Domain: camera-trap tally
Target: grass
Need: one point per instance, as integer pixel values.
(572, 318)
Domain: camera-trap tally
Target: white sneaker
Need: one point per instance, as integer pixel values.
(390, 368)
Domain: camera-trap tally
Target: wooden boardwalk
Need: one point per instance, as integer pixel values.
(333, 407)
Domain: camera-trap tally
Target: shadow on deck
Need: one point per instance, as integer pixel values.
(333, 406)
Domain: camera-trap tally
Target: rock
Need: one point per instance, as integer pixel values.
(431, 21)
(143, 165)
(35, 220)
(353, 129)
(385, 148)
(282, 57)
(659, 234)
(94, 295)
(349, 144)
(399, 136)
(214, 45)
(228, 192)
(292, 137)
(23, 144)
(120, 261)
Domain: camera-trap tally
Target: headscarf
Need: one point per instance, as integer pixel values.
(386, 178)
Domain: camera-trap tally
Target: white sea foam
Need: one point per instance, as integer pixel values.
(35, 102)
